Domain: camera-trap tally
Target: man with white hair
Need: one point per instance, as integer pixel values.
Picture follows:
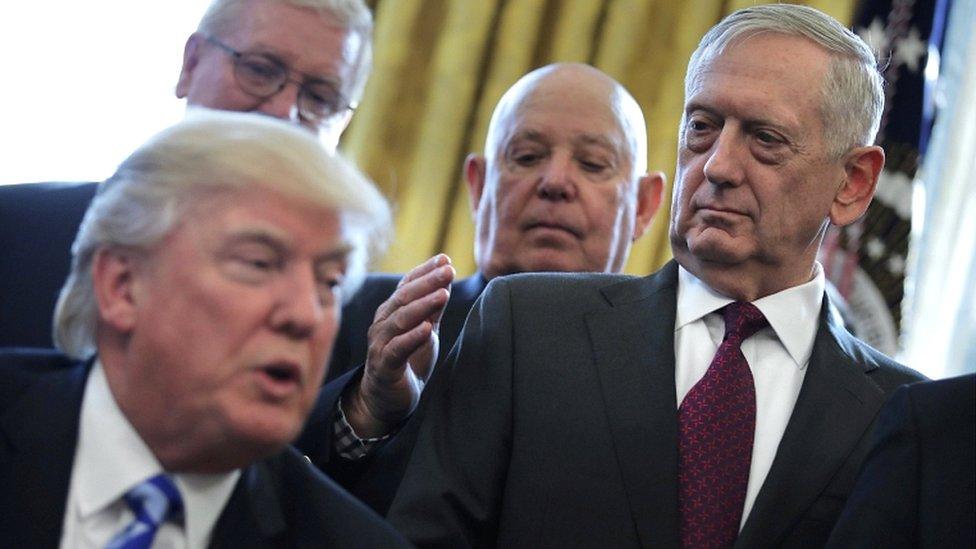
(562, 186)
(201, 307)
(305, 61)
(715, 403)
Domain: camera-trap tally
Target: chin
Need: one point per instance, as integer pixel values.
(715, 247)
(267, 433)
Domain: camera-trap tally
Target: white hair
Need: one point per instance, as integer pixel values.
(225, 15)
(213, 151)
(853, 94)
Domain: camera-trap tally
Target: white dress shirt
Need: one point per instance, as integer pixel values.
(109, 460)
(777, 355)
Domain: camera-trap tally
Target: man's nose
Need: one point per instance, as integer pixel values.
(724, 164)
(556, 182)
(284, 103)
(299, 307)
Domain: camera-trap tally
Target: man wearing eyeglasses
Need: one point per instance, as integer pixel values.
(305, 62)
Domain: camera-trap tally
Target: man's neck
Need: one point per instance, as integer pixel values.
(748, 283)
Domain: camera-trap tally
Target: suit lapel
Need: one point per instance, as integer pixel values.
(836, 405)
(253, 516)
(42, 428)
(633, 346)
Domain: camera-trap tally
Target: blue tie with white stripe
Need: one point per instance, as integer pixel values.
(152, 502)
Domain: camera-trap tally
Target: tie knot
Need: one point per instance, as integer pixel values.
(742, 320)
(155, 500)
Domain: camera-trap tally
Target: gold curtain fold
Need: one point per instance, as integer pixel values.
(440, 66)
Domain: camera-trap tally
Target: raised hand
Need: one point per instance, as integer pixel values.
(403, 346)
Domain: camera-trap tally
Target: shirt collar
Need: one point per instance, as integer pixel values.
(112, 458)
(793, 313)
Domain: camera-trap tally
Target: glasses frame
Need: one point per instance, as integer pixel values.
(303, 87)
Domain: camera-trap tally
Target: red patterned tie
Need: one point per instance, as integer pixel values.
(716, 425)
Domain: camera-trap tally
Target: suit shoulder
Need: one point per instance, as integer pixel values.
(21, 368)
(885, 371)
(957, 388)
(556, 285)
(945, 400)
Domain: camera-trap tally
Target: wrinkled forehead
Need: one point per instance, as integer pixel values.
(559, 111)
(311, 41)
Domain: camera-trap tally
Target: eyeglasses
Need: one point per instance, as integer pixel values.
(262, 75)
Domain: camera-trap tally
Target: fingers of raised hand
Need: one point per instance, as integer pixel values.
(416, 289)
(424, 268)
(393, 339)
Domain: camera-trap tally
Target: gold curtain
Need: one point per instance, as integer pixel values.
(441, 65)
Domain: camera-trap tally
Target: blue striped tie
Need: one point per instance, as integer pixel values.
(152, 502)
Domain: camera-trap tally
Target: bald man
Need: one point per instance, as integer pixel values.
(562, 186)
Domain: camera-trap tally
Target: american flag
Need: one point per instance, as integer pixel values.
(866, 261)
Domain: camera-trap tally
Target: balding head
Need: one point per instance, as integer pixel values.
(562, 185)
(573, 84)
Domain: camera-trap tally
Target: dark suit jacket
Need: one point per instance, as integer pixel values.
(918, 485)
(554, 424)
(279, 502)
(375, 479)
(38, 223)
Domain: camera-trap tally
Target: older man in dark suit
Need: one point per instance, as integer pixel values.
(561, 187)
(201, 307)
(303, 61)
(918, 485)
(715, 403)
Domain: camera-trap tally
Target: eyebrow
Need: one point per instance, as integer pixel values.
(335, 255)
(584, 139)
(261, 48)
(261, 236)
(597, 140)
(751, 122)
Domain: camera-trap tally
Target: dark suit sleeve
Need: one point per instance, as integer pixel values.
(883, 508)
(317, 441)
(453, 485)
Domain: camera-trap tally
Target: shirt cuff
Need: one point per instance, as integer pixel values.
(346, 442)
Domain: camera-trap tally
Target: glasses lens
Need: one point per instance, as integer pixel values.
(259, 75)
(320, 100)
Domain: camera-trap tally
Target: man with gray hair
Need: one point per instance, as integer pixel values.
(305, 61)
(201, 307)
(715, 403)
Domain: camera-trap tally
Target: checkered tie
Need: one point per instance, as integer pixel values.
(716, 426)
(152, 502)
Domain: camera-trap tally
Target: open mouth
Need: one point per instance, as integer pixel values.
(280, 379)
(282, 373)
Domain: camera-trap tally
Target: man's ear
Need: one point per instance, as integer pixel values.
(191, 58)
(474, 175)
(650, 190)
(113, 274)
(862, 167)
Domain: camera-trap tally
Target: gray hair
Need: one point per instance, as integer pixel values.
(224, 15)
(853, 89)
(213, 151)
